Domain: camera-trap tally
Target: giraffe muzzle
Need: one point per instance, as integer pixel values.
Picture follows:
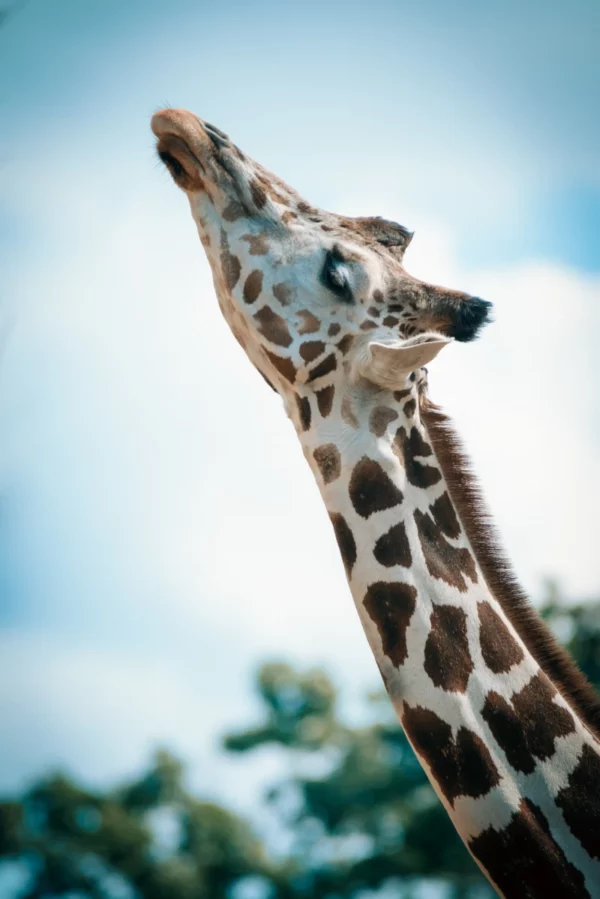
(468, 318)
(192, 150)
(454, 314)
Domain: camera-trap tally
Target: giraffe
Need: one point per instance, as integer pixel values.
(504, 725)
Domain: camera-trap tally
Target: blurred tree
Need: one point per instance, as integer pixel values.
(356, 807)
(75, 841)
(578, 628)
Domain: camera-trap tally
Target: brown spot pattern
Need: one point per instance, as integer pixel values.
(273, 327)
(345, 343)
(415, 444)
(282, 292)
(393, 548)
(329, 461)
(390, 321)
(444, 561)
(258, 245)
(233, 211)
(325, 400)
(285, 367)
(334, 329)
(406, 448)
(409, 408)
(310, 323)
(275, 194)
(345, 541)
(508, 732)
(304, 411)
(402, 394)
(579, 804)
(461, 766)
(444, 516)
(380, 418)
(524, 860)
(390, 607)
(259, 196)
(311, 350)
(328, 365)
(448, 660)
(230, 264)
(528, 726)
(253, 286)
(499, 648)
(498, 574)
(534, 704)
(377, 296)
(368, 325)
(370, 488)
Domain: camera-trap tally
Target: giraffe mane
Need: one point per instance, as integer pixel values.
(479, 526)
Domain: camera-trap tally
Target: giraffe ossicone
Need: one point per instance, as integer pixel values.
(503, 723)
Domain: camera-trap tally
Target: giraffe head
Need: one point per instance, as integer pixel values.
(314, 298)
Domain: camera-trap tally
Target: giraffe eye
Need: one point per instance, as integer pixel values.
(336, 276)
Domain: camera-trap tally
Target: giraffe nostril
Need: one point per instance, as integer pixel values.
(209, 127)
(218, 137)
(469, 316)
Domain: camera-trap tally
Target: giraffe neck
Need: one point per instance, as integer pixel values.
(512, 757)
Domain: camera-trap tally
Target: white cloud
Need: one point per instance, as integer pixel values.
(523, 398)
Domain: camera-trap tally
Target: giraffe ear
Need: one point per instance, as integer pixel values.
(389, 364)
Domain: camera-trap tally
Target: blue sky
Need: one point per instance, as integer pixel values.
(145, 570)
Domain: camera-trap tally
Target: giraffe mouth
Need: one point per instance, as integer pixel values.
(188, 147)
(185, 168)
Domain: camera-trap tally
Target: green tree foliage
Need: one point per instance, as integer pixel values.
(98, 845)
(356, 808)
